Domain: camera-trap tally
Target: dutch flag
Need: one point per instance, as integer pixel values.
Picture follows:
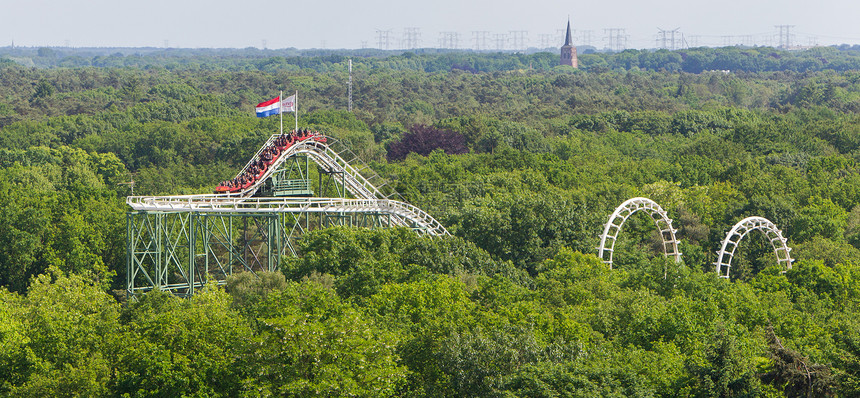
(269, 108)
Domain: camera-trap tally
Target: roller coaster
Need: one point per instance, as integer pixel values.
(670, 242)
(180, 243)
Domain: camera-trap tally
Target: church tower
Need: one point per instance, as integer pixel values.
(568, 50)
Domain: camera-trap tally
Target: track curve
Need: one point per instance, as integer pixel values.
(613, 227)
(740, 230)
(368, 197)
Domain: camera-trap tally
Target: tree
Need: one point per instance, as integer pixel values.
(183, 347)
(723, 369)
(821, 217)
(422, 139)
(73, 327)
(797, 376)
(311, 344)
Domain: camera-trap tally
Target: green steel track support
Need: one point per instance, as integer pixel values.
(181, 245)
(181, 252)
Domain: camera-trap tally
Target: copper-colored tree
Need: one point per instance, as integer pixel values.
(423, 139)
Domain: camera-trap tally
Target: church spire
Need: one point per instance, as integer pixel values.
(568, 50)
(568, 41)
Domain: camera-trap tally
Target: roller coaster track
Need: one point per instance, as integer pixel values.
(740, 230)
(181, 243)
(326, 152)
(403, 213)
(671, 243)
(321, 149)
(613, 227)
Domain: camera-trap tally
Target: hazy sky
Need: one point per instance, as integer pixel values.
(353, 24)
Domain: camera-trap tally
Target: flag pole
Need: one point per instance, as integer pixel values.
(296, 104)
(281, 110)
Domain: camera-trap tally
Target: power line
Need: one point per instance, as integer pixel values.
(383, 39)
(449, 40)
(614, 39)
(545, 40)
(411, 38)
(518, 39)
(666, 38)
(585, 37)
(694, 40)
(617, 40)
(499, 40)
(785, 36)
(479, 40)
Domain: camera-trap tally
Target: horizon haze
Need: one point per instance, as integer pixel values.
(352, 25)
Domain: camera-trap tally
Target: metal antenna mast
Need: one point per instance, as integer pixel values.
(349, 105)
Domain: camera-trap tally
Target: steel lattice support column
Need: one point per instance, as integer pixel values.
(183, 251)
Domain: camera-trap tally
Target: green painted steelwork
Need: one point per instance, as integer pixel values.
(291, 179)
(179, 244)
(183, 251)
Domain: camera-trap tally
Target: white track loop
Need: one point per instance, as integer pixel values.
(413, 216)
(739, 231)
(622, 213)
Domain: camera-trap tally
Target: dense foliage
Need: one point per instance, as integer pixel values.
(692, 60)
(515, 303)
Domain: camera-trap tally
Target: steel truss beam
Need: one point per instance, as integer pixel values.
(400, 213)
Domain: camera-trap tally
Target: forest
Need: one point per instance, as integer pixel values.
(521, 160)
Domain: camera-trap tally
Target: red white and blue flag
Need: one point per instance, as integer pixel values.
(274, 107)
(269, 108)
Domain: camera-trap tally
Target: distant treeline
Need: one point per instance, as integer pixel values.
(695, 60)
